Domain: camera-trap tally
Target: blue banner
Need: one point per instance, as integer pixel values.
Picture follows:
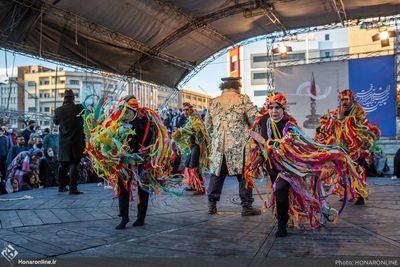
(374, 85)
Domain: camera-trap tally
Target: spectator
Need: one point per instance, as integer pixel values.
(36, 133)
(396, 165)
(181, 120)
(4, 147)
(51, 140)
(48, 168)
(26, 133)
(12, 185)
(11, 136)
(26, 161)
(15, 150)
(38, 143)
(29, 181)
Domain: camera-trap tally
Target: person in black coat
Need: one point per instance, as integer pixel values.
(71, 142)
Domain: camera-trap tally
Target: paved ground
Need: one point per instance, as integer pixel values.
(55, 225)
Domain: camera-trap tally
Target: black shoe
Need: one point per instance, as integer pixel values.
(63, 189)
(212, 207)
(360, 201)
(282, 232)
(138, 223)
(75, 192)
(250, 211)
(122, 224)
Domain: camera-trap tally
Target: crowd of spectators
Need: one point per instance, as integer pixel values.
(29, 159)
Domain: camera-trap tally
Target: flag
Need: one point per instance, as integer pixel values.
(313, 88)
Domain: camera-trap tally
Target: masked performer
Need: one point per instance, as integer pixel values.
(192, 140)
(348, 126)
(130, 147)
(303, 172)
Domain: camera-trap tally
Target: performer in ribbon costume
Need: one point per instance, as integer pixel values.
(348, 126)
(192, 139)
(303, 172)
(130, 147)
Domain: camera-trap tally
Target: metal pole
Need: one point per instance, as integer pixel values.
(36, 98)
(9, 93)
(55, 90)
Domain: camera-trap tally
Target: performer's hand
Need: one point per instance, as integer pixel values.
(257, 137)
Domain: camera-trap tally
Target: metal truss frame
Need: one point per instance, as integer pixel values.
(277, 37)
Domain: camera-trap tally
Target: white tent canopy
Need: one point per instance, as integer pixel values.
(160, 41)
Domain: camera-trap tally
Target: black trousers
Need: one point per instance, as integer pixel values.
(282, 199)
(3, 167)
(217, 182)
(124, 202)
(73, 168)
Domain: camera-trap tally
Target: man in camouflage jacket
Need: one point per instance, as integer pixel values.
(227, 121)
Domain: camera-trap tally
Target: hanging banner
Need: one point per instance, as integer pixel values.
(311, 90)
(374, 85)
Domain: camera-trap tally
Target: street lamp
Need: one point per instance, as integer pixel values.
(383, 35)
(282, 50)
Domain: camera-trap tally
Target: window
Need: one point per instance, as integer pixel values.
(74, 82)
(45, 82)
(258, 59)
(297, 56)
(31, 83)
(40, 95)
(234, 63)
(327, 54)
(260, 92)
(46, 109)
(259, 75)
(31, 109)
(234, 66)
(326, 37)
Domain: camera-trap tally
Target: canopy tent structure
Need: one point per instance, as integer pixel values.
(160, 41)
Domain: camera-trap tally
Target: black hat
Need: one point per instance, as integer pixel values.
(231, 79)
(69, 93)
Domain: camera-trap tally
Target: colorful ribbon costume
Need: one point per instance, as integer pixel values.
(313, 170)
(352, 130)
(107, 143)
(194, 126)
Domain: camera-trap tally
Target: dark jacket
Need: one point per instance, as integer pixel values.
(139, 139)
(193, 160)
(13, 152)
(264, 133)
(71, 138)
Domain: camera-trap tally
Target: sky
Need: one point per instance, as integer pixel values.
(205, 81)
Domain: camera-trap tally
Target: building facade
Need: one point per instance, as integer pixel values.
(44, 90)
(198, 100)
(252, 63)
(9, 98)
